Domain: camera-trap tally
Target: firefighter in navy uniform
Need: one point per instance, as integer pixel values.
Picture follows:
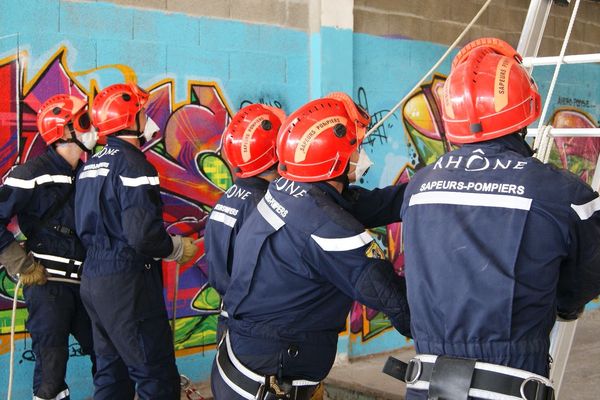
(41, 194)
(119, 220)
(299, 262)
(249, 147)
(497, 244)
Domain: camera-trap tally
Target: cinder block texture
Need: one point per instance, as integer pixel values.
(441, 21)
(158, 4)
(209, 8)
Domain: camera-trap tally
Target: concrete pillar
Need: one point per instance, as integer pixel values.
(331, 49)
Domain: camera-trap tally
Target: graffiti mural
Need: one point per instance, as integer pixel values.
(186, 154)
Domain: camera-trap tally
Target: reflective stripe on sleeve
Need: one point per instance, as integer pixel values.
(471, 199)
(38, 180)
(94, 173)
(585, 211)
(343, 244)
(139, 181)
(223, 218)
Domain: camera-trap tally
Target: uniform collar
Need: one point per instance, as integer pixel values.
(512, 142)
(253, 182)
(59, 162)
(334, 194)
(114, 141)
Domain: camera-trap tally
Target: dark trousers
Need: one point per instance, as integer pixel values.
(132, 337)
(55, 312)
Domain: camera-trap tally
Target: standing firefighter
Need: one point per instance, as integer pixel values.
(41, 194)
(300, 260)
(497, 244)
(119, 221)
(249, 146)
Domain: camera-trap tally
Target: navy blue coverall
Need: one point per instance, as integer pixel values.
(299, 261)
(496, 243)
(119, 221)
(41, 194)
(222, 227)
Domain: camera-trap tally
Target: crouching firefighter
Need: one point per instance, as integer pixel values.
(249, 147)
(497, 244)
(300, 260)
(119, 220)
(41, 194)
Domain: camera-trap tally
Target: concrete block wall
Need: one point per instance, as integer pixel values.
(288, 13)
(441, 21)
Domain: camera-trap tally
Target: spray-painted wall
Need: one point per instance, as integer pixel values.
(199, 72)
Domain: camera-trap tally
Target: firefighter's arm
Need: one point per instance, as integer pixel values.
(377, 207)
(344, 261)
(141, 205)
(579, 279)
(15, 195)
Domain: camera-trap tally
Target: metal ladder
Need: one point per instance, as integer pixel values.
(563, 333)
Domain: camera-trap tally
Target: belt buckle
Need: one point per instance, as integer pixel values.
(409, 369)
(538, 382)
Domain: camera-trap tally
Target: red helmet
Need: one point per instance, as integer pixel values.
(249, 140)
(116, 107)
(57, 112)
(316, 141)
(488, 94)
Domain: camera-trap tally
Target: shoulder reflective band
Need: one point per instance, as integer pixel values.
(139, 181)
(94, 173)
(38, 180)
(223, 218)
(343, 244)
(471, 199)
(585, 211)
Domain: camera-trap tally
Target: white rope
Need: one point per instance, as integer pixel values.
(12, 340)
(557, 70)
(435, 67)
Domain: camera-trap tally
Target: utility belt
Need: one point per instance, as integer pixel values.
(251, 385)
(455, 378)
(60, 268)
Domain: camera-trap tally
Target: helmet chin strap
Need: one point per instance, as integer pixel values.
(73, 139)
(523, 133)
(138, 133)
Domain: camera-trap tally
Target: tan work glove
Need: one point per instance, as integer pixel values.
(34, 275)
(189, 250)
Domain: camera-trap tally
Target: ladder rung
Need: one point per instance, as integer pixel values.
(572, 59)
(568, 132)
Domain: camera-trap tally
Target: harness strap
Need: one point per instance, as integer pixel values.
(251, 385)
(487, 381)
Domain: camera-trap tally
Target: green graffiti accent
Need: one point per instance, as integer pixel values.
(207, 299)
(195, 331)
(576, 164)
(377, 325)
(7, 286)
(428, 149)
(215, 170)
(20, 318)
(161, 149)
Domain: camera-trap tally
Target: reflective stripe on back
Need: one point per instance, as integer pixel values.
(269, 215)
(223, 218)
(94, 173)
(471, 199)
